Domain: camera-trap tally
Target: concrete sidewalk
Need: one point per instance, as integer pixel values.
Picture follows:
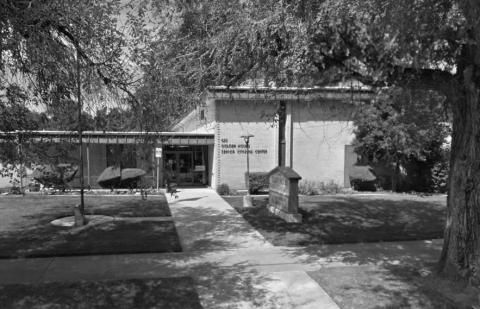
(244, 269)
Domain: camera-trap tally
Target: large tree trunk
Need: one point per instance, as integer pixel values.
(461, 250)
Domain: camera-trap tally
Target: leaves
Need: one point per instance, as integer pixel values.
(401, 125)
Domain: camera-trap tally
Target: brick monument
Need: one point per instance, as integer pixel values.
(283, 194)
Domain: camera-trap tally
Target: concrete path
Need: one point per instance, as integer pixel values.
(243, 269)
(232, 264)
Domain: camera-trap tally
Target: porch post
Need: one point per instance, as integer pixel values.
(88, 165)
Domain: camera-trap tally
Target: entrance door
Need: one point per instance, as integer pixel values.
(185, 167)
(178, 167)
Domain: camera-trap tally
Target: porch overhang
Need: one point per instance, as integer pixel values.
(100, 137)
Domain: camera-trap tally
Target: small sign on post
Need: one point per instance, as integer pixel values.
(158, 156)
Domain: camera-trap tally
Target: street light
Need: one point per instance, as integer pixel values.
(247, 200)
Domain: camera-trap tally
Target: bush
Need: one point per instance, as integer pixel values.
(223, 189)
(331, 188)
(440, 173)
(258, 182)
(309, 187)
(363, 185)
(362, 178)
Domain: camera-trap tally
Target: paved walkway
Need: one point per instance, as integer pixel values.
(231, 263)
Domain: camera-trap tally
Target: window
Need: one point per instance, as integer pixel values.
(121, 155)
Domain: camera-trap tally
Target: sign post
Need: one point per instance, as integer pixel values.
(247, 200)
(158, 155)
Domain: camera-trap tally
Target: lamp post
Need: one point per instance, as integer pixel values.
(247, 200)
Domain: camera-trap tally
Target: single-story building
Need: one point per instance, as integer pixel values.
(308, 129)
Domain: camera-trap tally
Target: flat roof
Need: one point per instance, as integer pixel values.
(354, 93)
(111, 137)
(300, 90)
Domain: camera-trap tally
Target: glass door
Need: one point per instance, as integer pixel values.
(170, 167)
(185, 167)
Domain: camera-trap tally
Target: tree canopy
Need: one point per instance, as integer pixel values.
(400, 128)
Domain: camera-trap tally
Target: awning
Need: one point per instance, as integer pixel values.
(99, 137)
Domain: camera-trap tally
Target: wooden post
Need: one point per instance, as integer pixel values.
(88, 165)
(158, 173)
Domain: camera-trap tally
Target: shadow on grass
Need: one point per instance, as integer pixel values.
(386, 275)
(134, 293)
(25, 212)
(113, 237)
(340, 219)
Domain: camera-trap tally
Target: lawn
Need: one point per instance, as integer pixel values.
(147, 293)
(25, 229)
(22, 212)
(350, 219)
(393, 286)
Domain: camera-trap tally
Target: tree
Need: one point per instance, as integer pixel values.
(418, 44)
(401, 127)
(63, 48)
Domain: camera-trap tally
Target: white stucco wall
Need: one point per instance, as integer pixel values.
(320, 132)
(235, 119)
(321, 129)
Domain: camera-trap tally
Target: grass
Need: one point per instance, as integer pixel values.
(393, 286)
(146, 293)
(350, 219)
(18, 212)
(25, 229)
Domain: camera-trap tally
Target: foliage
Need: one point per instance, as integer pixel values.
(114, 119)
(440, 172)
(401, 126)
(363, 185)
(311, 187)
(440, 177)
(223, 189)
(258, 181)
(48, 49)
(308, 187)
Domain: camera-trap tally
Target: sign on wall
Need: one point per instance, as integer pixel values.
(231, 148)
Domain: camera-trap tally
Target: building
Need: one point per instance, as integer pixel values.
(308, 129)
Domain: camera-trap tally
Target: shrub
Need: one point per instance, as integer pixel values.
(310, 187)
(331, 188)
(223, 189)
(362, 178)
(363, 185)
(440, 173)
(258, 182)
